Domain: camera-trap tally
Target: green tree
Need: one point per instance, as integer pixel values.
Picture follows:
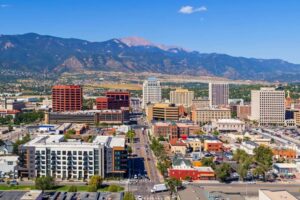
(19, 142)
(263, 156)
(72, 188)
(128, 196)
(130, 135)
(163, 166)
(246, 138)
(96, 181)
(45, 183)
(223, 172)
(173, 185)
(208, 162)
(216, 133)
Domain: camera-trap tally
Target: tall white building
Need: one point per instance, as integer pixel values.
(218, 94)
(182, 96)
(267, 106)
(151, 91)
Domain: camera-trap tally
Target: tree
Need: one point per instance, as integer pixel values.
(199, 132)
(208, 162)
(130, 135)
(246, 138)
(240, 155)
(96, 181)
(216, 133)
(173, 185)
(263, 156)
(129, 196)
(163, 166)
(72, 188)
(45, 183)
(223, 172)
(19, 142)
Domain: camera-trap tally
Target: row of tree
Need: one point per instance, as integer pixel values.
(259, 164)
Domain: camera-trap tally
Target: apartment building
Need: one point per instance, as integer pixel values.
(52, 155)
(182, 97)
(66, 98)
(218, 94)
(267, 106)
(151, 91)
(206, 115)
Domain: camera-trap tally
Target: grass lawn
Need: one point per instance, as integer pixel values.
(64, 188)
(17, 187)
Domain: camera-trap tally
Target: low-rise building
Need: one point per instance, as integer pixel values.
(275, 195)
(248, 147)
(284, 153)
(8, 164)
(193, 143)
(229, 125)
(178, 146)
(205, 115)
(173, 129)
(89, 117)
(213, 145)
(285, 169)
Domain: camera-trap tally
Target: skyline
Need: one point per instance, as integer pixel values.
(250, 29)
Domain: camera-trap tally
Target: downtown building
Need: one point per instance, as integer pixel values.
(113, 100)
(218, 94)
(66, 98)
(151, 91)
(182, 97)
(52, 155)
(267, 106)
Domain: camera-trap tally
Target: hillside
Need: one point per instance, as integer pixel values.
(36, 53)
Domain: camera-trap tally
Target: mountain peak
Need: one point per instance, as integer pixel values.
(136, 41)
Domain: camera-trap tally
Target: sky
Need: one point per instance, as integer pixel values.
(249, 28)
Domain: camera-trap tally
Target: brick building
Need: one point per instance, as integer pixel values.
(66, 98)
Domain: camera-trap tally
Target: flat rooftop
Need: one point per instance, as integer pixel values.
(277, 195)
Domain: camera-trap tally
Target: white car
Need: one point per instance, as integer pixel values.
(139, 198)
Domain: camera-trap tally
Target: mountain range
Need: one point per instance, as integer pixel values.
(32, 52)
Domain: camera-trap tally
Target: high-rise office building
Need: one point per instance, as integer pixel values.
(267, 106)
(66, 98)
(182, 97)
(151, 91)
(218, 94)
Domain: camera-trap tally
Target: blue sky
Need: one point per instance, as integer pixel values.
(250, 28)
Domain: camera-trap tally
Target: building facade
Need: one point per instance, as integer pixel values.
(151, 91)
(206, 115)
(66, 98)
(182, 97)
(162, 112)
(229, 125)
(52, 155)
(243, 111)
(267, 106)
(218, 94)
(90, 117)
